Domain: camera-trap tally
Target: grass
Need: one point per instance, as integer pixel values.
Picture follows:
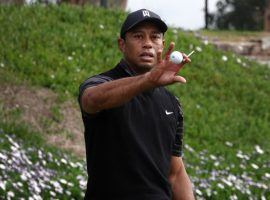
(32, 169)
(226, 99)
(226, 35)
(59, 43)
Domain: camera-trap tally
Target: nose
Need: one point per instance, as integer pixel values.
(147, 42)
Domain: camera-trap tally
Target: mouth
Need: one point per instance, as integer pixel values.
(147, 56)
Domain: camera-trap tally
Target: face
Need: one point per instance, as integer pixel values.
(141, 45)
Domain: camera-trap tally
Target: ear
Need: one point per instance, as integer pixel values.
(121, 44)
(163, 43)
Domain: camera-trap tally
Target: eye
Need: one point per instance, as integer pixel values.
(156, 36)
(138, 36)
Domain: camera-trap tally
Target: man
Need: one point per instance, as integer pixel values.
(133, 125)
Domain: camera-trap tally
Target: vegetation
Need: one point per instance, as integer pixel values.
(239, 14)
(226, 99)
(227, 35)
(37, 171)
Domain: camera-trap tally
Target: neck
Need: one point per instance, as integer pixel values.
(135, 69)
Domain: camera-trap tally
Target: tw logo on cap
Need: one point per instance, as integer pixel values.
(146, 13)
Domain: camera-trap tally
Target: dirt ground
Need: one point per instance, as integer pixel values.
(60, 123)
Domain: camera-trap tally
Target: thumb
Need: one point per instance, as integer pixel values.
(179, 79)
(159, 56)
(169, 51)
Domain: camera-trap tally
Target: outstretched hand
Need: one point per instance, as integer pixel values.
(165, 72)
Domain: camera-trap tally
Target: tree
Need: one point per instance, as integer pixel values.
(240, 14)
(121, 4)
(16, 2)
(267, 17)
(104, 3)
(206, 14)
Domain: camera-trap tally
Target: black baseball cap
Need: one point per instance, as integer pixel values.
(139, 16)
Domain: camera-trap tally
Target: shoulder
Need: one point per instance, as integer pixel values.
(110, 75)
(94, 80)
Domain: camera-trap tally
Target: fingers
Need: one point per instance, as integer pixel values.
(169, 51)
(159, 56)
(186, 59)
(179, 79)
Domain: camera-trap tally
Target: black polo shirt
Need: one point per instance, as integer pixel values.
(129, 148)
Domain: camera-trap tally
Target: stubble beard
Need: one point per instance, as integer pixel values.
(144, 68)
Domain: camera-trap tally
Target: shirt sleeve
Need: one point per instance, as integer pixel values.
(178, 142)
(90, 82)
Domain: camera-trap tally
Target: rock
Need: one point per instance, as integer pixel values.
(243, 48)
(266, 43)
(256, 49)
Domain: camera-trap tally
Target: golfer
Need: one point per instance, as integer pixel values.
(133, 125)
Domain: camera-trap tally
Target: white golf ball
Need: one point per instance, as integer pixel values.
(176, 57)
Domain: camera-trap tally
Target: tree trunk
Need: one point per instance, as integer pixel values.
(267, 17)
(206, 14)
(103, 3)
(11, 2)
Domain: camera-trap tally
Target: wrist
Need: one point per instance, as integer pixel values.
(149, 80)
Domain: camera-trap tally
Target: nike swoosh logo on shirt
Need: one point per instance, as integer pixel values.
(168, 113)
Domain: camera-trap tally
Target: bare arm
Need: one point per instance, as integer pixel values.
(115, 93)
(180, 182)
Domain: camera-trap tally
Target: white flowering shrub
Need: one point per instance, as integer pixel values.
(33, 172)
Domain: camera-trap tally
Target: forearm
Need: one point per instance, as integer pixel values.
(182, 187)
(114, 93)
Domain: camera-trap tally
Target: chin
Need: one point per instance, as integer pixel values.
(142, 66)
(147, 66)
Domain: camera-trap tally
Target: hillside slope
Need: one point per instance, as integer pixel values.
(226, 99)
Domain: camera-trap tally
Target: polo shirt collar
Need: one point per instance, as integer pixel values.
(127, 68)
